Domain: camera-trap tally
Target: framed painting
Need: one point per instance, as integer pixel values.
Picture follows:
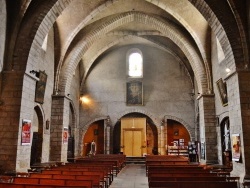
(134, 93)
(26, 132)
(65, 135)
(236, 150)
(40, 87)
(222, 88)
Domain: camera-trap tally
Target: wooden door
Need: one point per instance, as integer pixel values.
(132, 142)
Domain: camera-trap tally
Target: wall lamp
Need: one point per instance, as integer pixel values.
(36, 73)
(107, 120)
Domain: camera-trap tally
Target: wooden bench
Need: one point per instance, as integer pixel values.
(246, 184)
(13, 185)
(101, 174)
(180, 174)
(192, 178)
(117, 166)
(108, 169)
(167, 160)
(94, 178)
(46, 182)
(192, 184)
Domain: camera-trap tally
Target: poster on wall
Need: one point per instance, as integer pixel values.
(26, 132)
(203, 151)
(236, 151)
(65, 135)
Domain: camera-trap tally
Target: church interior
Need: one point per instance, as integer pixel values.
(129, 77)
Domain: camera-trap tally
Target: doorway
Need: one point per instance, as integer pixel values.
(95, 132)
(36, 149)
(37, 138)
(226, 142)
(132, 139)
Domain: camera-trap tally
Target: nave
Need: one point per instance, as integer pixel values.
(131, 176)
(115, 171)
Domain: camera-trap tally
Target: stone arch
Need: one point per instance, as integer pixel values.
(82, 24)
(38, 27)
(37, 147)
(225, 26)
(186, 125)
(40, 114)
(121, 39)
(156, 121)
(74, 57)
(83, 130)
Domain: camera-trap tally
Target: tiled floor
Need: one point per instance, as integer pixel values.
(131, 176)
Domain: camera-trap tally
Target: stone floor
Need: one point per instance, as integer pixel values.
(131, 176)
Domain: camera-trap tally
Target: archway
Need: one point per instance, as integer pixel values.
(226, 142)
(148, 144)
(179, 142)
(71, 136)
(37, 139)
(95, 132)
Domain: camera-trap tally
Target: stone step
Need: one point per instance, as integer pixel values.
(135, 160)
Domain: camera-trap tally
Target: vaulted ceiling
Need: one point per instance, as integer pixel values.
(87, 29)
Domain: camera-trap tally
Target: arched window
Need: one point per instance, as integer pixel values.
(135, 63)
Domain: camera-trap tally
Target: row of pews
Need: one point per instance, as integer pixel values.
(167, 171)
(89, 172)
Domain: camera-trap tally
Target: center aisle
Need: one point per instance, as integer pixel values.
(131, 176)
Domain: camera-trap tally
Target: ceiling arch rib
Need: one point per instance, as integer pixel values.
(81, 25)
(196, 25)
(34, 33)
(189, 19)
(122, 38)
(172, 32)
(218, 20)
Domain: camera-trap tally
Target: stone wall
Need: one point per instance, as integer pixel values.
(166, 88)
(2, 31)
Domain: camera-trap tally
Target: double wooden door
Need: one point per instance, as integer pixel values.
(132, 140)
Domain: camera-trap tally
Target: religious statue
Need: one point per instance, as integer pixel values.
(227, 137)
(93, 148)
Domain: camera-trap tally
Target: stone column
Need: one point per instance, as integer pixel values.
(16, 103)
(208, 134)
(59, 121)
(238, 89)
(107, 135)
(162, 140)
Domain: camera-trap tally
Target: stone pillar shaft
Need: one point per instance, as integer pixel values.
(208, 134)
(59, 121)
(238, 87)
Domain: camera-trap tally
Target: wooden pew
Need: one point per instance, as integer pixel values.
(246, 184)
(108, 169)
(26, 182)
(180, 174)
(190, 184)
(188, 178)
(117, 166)
(54, 182)
(118, 160)
(58, 172)
(94, 178)
(161, 160)
(13, 185)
